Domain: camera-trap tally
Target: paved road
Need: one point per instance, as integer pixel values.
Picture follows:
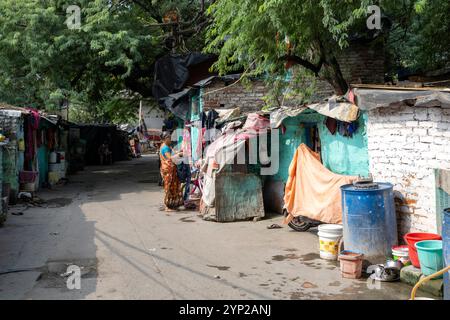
(107, 221)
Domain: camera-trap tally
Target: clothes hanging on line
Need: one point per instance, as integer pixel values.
(345, 129)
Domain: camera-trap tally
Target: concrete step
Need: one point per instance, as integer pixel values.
(411, 275)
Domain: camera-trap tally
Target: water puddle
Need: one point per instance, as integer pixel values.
(58, 202)
(289, 256)
(186, 219)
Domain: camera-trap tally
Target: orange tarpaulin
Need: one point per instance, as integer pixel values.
(312, 190)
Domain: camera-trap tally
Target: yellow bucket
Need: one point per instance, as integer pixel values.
(329, 237)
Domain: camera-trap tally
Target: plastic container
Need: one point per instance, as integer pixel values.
(369, 220)
(351, 264)
(53, 177)
(412, 238)
(329, 237)
(53, 157)
(401, 253)
(446, 251)
(430, 256)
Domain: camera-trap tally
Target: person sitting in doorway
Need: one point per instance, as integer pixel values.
(105, 154)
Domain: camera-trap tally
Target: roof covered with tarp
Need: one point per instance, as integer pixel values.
(171, 76)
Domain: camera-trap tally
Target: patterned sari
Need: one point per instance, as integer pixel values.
(172, 187)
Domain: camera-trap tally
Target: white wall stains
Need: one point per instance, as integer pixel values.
(405, 145)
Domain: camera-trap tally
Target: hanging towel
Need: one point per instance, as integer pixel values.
(331, 124)
(312, 190)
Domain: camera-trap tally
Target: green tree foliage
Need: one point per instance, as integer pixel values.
(43, 62)
(420, 39)
(266, 33)
(262, 35)
(111, 109)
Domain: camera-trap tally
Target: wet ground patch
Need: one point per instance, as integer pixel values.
(221, 268)
(58, 202)
(186, 219)
(282, 257)
(310, 256)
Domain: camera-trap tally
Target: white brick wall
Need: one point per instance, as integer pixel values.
(405, 145)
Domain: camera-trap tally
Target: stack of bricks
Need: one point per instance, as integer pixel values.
(405, 145)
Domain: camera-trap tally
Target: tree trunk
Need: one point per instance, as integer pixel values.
(332, 70)
(334, 75)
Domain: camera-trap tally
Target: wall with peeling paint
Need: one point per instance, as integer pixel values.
(342, 155)
(345, 155)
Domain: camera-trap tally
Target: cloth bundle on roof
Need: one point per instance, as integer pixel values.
(312, 190)
(256, 122)
(335, 107)
(278, 115)
(227, 114)
(338, 108)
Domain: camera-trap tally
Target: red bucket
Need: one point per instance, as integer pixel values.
(412, 238)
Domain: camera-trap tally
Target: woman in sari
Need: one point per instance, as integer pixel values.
(172, 187)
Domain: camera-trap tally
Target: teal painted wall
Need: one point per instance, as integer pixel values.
(342, 155)
(195, 116)
(238, 196)
(345, 155)
(42, 155)
(291, 139)
(10, 169)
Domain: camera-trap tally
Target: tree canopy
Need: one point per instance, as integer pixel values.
(263, 34)
(44, 63)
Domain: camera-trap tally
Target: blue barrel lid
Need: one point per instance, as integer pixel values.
(447, 212)
(380, 187)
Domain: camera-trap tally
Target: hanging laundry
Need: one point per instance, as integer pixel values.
(211, 119)
(203, 118)
(31, 124)
(331, 124)
(352, 128)
(186, 144)
(341, 128)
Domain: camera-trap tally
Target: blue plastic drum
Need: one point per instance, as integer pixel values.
(446, 247)
(369, 220)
